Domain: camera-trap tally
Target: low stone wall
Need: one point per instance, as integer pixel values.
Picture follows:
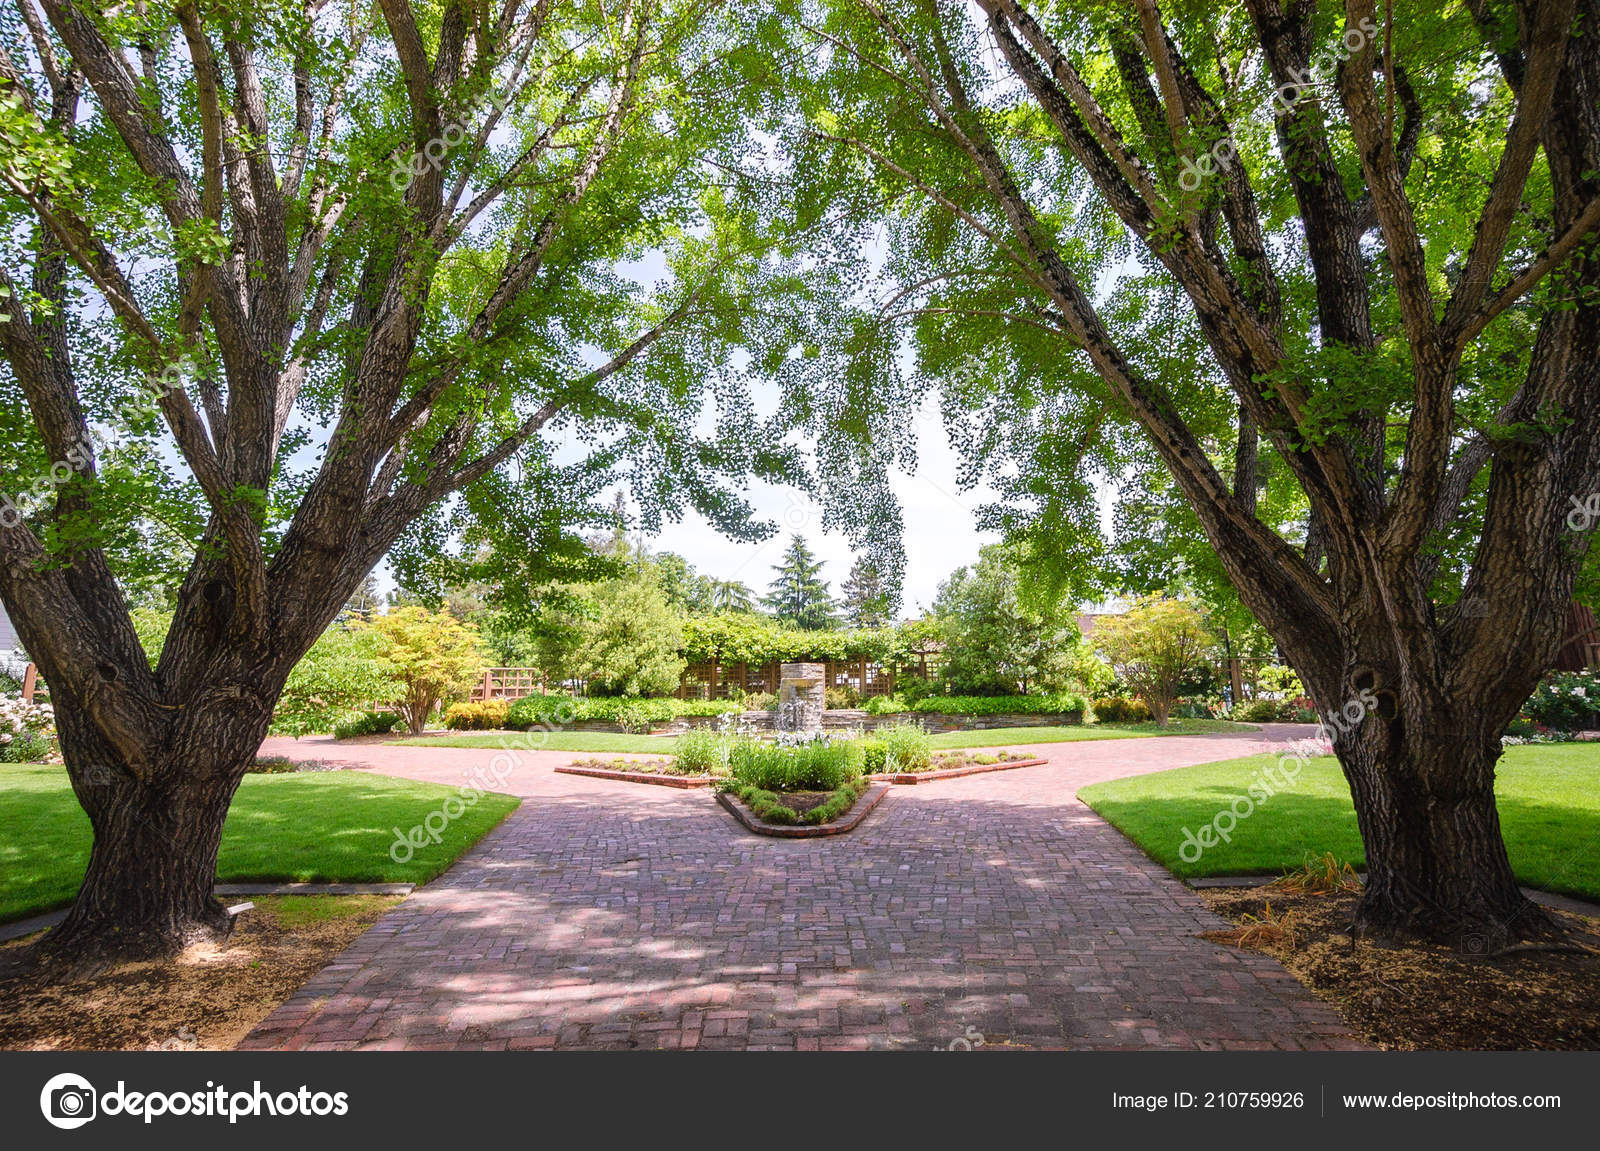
(841, 719)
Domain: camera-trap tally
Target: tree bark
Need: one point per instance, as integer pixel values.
(148, 889)
(1436, 863)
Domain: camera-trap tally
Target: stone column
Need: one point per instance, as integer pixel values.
(800, 697)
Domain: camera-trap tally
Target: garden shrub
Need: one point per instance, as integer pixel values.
(27, 731)
(368, 723)
(1522, 727)
(271, 765)
(634, 717)
(1266, 711)
(839, 698)
(702, 752)
(913, 689)
(28, 747)
(769, 807)
(1057, 703)
(906, 747)
(874, 752)
(817, 765)
(885, 705)
(481, 715)
(1566, 701)
(1113, 709)
(760, 701)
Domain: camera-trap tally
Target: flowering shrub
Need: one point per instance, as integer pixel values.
(27, 730)
(1566, 701)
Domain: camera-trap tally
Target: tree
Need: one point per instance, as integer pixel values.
(996, 642)
(630, 646)
(685, 589)
(347, 669)
(863, 596)
(365, 600)
(731, 595)
(379, 275)
(1154, 646)
(1300, 238)
(433, 657)
(799, 594)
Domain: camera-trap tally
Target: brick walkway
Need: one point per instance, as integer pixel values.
(609, 915)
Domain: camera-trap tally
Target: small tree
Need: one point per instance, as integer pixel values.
(346, 669)
(434, 656)
(798, 593)
(630, 646)
(996, 639)
(1154, 647)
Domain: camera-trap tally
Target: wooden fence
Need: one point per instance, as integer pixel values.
(711, 679)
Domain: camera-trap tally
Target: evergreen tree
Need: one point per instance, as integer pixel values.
(866, 602)
(731, 595)
(799, 595)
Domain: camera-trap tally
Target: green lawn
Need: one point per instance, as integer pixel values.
(1016, 736)
(335, 826)
(1549, 799)
(549, 741)
(666, 744)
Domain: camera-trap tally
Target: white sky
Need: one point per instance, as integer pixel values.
(940, 534)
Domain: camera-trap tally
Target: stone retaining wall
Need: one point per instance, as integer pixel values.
(841, 719)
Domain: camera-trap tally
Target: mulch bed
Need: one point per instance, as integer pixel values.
(207, 999)
(1420, 996)
(848, 821)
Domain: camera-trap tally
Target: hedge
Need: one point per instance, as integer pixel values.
(561, 709)
(1058, 703)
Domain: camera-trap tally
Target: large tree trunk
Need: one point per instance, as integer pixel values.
(1436, 863)
(1417, 734)
(148, 889)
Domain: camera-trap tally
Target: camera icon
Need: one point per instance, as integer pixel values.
(68, 1101)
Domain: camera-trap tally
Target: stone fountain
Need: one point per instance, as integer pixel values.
(801, 695)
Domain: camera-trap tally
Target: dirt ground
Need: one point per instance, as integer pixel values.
(209, 999)
(1422, 996)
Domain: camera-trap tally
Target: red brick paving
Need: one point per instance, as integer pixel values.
(609, 915)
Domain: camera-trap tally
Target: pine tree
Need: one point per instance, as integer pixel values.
(799, 595)
(863, 597)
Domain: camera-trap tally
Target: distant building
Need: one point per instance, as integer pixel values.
(12, 662)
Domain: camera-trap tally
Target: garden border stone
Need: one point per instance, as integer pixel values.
(660, 779)
(953, 772)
